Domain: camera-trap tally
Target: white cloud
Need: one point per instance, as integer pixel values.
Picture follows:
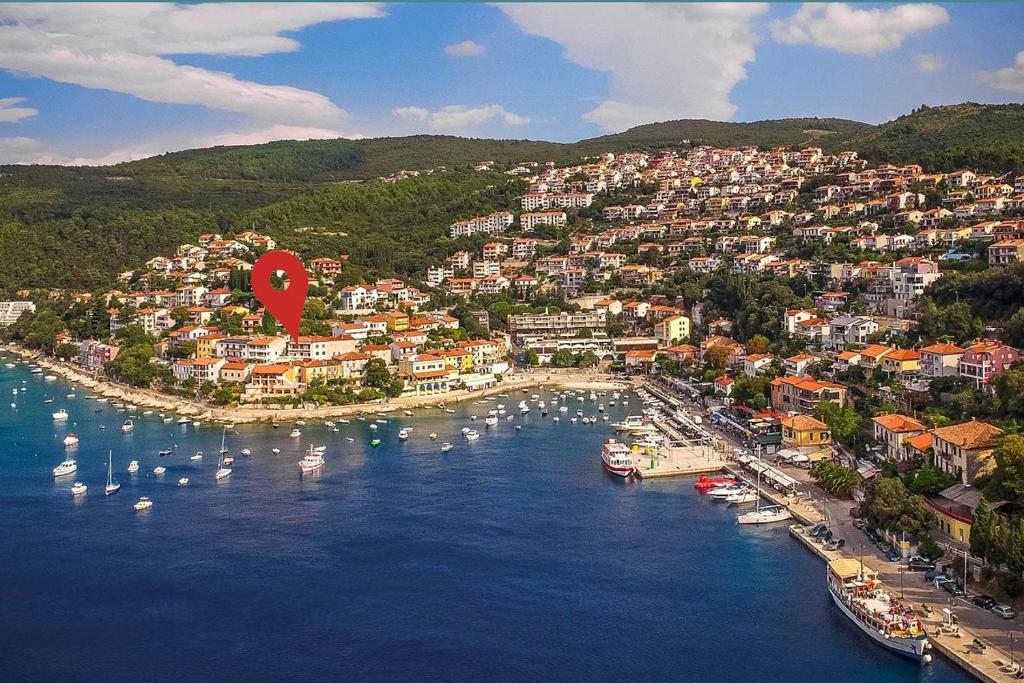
(1010, 78)
(466, 48)
(855, 31)
(123, 48)
(11, 114)
(928, 63)
(19, 150)
(458, 117)
(665, 61)
(515, 119)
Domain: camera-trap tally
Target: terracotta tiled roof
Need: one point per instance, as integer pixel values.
(898, 423)
(969, 435)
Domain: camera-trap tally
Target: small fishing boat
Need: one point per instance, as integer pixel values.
(472, 435)
(246, 452)
(198, 455)
(295, 433)
(168, 419)
(313, 461)
(275, 451)
(184, 420)
(373, 427)
(165, 452)
(445, 447)
(49, 400)
(403, 435)
(70, 440)
(61, 415)
(407, 413)
(183, 481)
(127, 426)
(228, 459)
(144, 503)
(300, 423)
(159, 470)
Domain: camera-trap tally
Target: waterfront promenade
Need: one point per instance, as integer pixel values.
(812, 505)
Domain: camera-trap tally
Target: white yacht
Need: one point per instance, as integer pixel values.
(491, 420)
(183, 481)
(60, 416)
(112, 487)
(70, 440)
(403, 435)
(313, 461)
(67, 467)
(472, 435)
(127, 426)
(159, 470)
(144, 503)
(198, 455)
(133, 467)
(295, 434)
(78, 489)
(445, 447)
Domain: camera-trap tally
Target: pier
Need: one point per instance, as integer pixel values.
(678, 461)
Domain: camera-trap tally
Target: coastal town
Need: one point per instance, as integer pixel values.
(792, 298)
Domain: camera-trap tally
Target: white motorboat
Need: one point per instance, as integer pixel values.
(78, 489)
(741, 498)
(295, 434)
(246, 452)
(184, 420)
(313, 461)
(445, 447)
(555, 419)
(407, 413)
(60, 416)
(403, 434)
(275, 451)
(127, 426)
(373, 427)
(300, 423)
(67, 467)
(50, 378)
(491, 420)
(144, 503)
(70, 440)
(133, 467)
(159, 470)
(328, 423)
(472, 435)
(112, 487)
(723, 492)
(183, 481)
(168, 419)
(198, 455)
(228, 459)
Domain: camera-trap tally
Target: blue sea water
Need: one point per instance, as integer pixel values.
(514, 557)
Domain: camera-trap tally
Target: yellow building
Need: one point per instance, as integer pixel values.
(397, 321)
(205, 345)
(672, 330)
(804, 430)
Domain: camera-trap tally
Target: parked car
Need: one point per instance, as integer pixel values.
(984, 601)
(954, 588)
(817, 530)
(1005, 611)
(933, 574)
(920, 564)
(825, 537)
(835, 544)
(891, 554)
(872, 534)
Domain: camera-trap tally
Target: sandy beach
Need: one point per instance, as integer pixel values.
(154, 400)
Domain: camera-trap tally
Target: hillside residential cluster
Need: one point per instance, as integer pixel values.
(589, 267)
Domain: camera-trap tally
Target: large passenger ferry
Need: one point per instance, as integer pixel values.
(884, 617)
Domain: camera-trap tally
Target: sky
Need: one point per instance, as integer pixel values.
(102, 83)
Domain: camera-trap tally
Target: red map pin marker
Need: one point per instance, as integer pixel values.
(286, 305)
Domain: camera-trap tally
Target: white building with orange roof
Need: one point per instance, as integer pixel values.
(892, 430)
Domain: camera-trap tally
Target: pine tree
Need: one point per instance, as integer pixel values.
(981, 529)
